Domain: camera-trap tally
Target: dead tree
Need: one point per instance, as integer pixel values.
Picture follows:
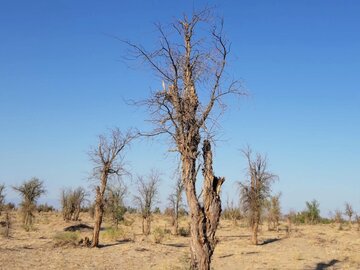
(175, 200)
(146, 198)
(349, 211)
(30, 191)
(255, 190)
(108, 160)
(191, 64)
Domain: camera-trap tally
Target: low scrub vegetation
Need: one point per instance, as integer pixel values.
(66, 239)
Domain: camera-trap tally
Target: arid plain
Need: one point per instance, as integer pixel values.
(322, 246)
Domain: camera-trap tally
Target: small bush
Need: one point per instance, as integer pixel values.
(114, 233)
(45, 208)
(128, 222)
(159, 235)
(66, 239)
(185, 232)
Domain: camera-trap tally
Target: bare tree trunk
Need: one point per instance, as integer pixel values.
(255, 228)
(99, 209)
(143, 226)
(176, 227)
(148, 225)
(204, 220)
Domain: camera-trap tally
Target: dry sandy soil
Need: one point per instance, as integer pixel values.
(308, 247)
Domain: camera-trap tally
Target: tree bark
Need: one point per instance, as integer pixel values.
(146, 225)
(254, 239)
(99, 208)
(204, 219)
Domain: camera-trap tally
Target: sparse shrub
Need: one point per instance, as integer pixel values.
(349, 211)
(72, 202)
(273, 212)
(357, 219)
(30, 191)
(92, 210)
(128, 221)
(114, 203)
(131, 210)
(157, 211)
(114, 233)
(312, 213)
(159, 235)
(185, 232)
(66, 239)
(2, 197)
(231, 212)
(45, 208)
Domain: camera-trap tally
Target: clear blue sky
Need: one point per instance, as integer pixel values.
(63, 82)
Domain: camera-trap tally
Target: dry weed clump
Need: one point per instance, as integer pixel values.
(159, 234)
(184, 232)
(114, 234)
(62, 239)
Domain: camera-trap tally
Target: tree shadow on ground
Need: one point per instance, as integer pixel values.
(115, 244)
(226, 256)
(228, 237)
(268, 241)
(178, 245)
(322, 265)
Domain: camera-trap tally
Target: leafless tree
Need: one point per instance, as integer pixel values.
(146, 198)
(175, 200)
(71, 203)
(108, 160)
(191, 62)
(349, 211)
(2, 197)
(256, 190)
(30, 191)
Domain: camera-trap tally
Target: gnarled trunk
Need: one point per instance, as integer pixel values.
(254, 238)
(99, 208)
(99, 211)
(204, 219)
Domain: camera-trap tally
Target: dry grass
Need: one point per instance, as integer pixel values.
(308, 247)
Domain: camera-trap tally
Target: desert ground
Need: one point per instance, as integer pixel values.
(307, 247)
